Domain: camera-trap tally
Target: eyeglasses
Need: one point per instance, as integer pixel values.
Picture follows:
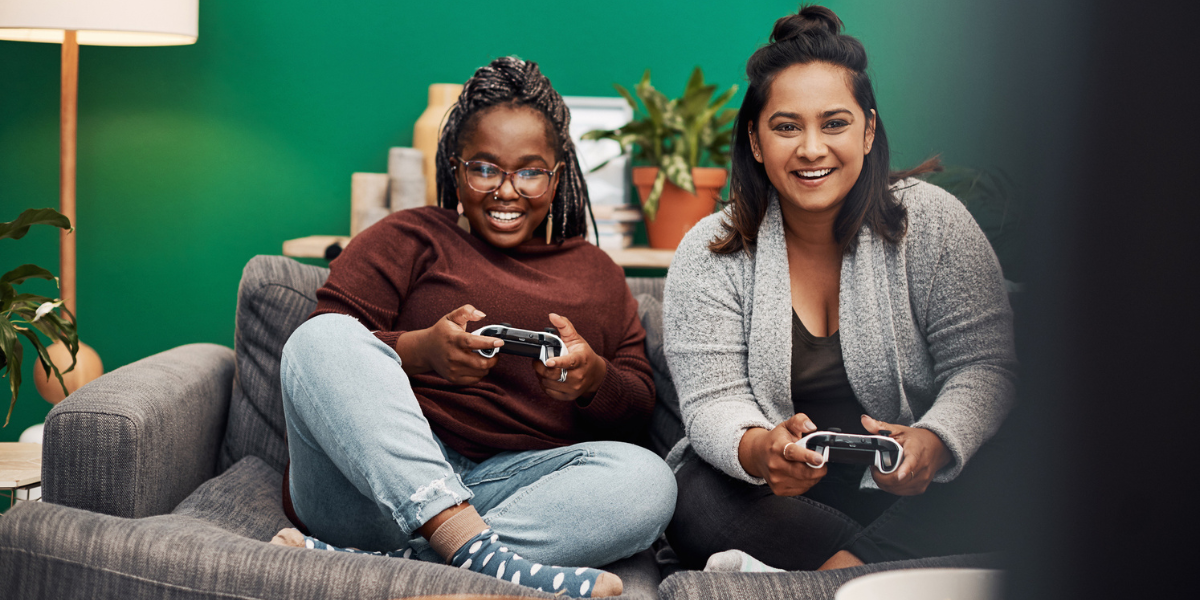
(484, 177)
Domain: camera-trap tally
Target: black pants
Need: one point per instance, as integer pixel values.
(715, 512)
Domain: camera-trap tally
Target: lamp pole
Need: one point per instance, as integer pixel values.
(68, 124)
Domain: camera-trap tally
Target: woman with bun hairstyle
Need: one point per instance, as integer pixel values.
(830, 294)
(404, 439)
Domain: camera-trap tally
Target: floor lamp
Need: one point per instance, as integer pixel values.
(95, 23)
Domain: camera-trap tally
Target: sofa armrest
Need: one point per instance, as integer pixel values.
(49, 551)
(135, 442)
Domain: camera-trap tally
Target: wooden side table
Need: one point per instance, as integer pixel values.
(21, 471)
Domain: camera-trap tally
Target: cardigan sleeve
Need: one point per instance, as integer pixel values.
(969, 332)
(705, 342)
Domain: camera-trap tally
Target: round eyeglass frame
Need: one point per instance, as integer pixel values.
(507, 175)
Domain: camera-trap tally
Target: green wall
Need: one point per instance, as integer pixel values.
(193, 159)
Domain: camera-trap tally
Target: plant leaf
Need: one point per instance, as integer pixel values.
(695, 82)
(678, 171)
(8, 344)
(628, 96)
(44, 358)
(651, 205)
(23, 272)
(17, 229)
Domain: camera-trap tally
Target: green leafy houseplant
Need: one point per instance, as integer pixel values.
(674, 135)
(23, 315)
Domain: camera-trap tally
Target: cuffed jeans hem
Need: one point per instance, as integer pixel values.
(429, 501)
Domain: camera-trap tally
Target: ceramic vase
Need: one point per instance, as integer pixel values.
(428, 130)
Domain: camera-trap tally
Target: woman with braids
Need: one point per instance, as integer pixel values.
(403, 438)
(831, 295)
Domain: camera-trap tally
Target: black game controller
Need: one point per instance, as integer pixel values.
(879, 450)
(541, 345)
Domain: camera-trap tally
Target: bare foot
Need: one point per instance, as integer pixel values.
(289, 537)
(841, 560)
(607, 585)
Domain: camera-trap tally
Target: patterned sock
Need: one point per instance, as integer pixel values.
(315, 544)
(736, 560)
(487, 555)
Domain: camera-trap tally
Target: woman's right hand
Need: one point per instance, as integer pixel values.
(448, 349)
(774, 456)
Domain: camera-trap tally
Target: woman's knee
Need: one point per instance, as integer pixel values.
(643, 480)
(321, 334)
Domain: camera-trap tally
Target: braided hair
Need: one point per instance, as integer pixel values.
(510, 81)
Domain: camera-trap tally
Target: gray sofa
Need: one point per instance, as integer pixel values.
(162, 479)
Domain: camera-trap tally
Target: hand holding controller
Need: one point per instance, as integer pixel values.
(542, 345)
(880, 450)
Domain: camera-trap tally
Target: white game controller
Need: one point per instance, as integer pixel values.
(881, 451)
(542, 345)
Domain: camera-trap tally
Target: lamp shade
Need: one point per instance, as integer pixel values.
(101, 22)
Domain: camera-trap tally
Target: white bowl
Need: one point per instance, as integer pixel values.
(925, 584)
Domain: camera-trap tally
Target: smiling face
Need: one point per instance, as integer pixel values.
(811, 137)
(511, 138)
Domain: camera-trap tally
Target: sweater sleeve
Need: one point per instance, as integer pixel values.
(707, 350)
(626, 396)
(370, 278)
(969, 335)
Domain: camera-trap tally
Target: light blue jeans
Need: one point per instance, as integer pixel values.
(367, 471)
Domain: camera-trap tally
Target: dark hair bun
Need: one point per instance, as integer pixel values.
(812, 21)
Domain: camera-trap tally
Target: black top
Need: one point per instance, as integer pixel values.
(820, 387)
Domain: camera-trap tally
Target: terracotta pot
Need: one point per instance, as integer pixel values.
(678, 210)
(87, 368)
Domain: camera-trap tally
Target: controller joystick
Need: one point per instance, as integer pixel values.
(834, 430)
(542, 345)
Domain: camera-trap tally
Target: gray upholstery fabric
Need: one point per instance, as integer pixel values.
(246, 500)
(652, 286)
(666, 425)
(50, 551)
(136, 441)
(801, 585)
(276, 294)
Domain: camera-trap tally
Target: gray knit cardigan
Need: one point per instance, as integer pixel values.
(926, 331)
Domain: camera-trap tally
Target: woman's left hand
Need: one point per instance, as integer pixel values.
(924, 455)
(583, 368)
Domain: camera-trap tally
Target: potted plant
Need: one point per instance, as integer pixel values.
(673, 137)
(24, 315)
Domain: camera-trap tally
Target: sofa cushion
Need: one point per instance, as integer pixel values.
(275, 296)
(666, 426)
(244, 500)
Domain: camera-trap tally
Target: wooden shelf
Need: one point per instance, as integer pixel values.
(314, 246)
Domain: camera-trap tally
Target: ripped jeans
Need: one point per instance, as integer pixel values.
(367, 471)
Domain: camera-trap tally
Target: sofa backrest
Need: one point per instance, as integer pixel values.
(277, 294)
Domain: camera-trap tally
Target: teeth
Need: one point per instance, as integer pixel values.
(504, 216)
(821, 173)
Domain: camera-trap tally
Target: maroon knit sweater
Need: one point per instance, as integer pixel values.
(415, 266)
